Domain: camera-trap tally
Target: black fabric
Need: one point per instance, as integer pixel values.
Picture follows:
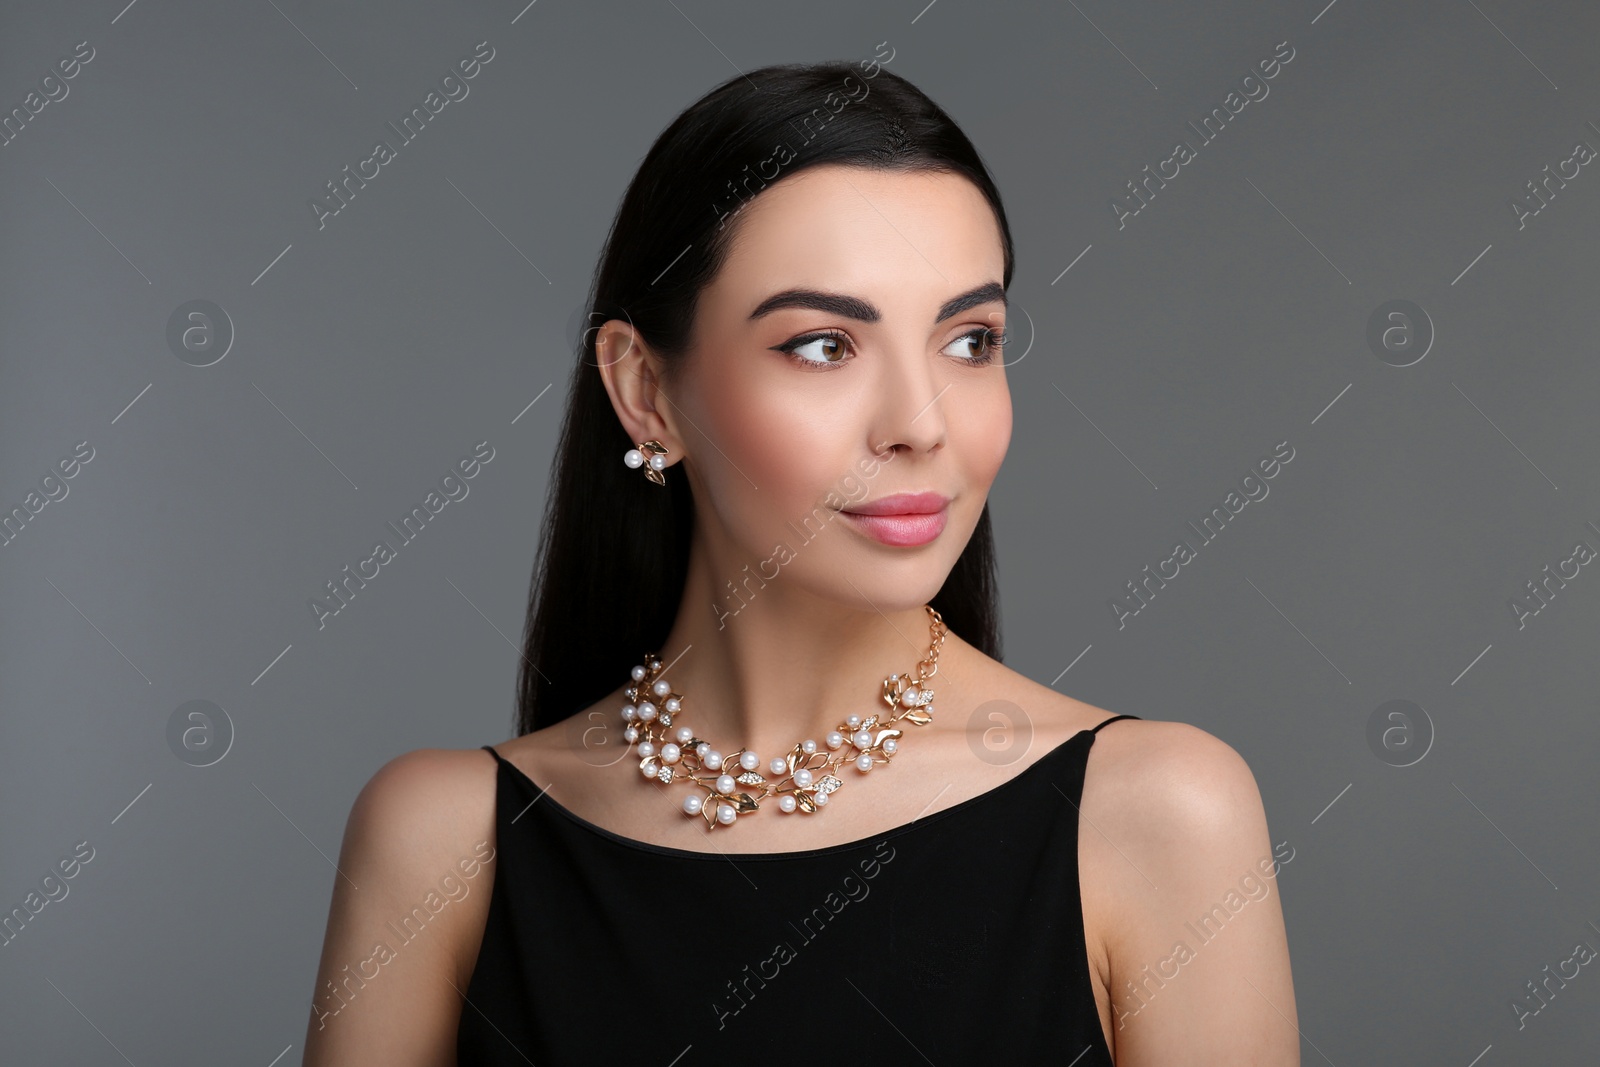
(954, 939)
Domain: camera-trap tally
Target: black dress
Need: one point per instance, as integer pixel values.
(954, 939)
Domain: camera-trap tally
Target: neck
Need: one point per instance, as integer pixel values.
(781, 665)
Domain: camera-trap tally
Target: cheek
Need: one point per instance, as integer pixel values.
(984, 430)
(764, 429)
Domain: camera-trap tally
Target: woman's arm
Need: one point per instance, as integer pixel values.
(1185, 877)
(409, 905)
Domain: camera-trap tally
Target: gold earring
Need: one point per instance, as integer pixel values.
(634, 457)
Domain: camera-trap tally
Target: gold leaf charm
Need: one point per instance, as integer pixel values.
(894, 689)
(797, 757)
(708, 811)
(805, 803)
(650, 472)
(740, 802)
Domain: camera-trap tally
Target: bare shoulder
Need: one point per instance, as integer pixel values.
(433, 789)
(1156, 769)
(421, 817)
(1181, 800)
(410, 898)
(1175, 847)
(419, 811)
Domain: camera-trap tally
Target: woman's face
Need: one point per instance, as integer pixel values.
(847, 352)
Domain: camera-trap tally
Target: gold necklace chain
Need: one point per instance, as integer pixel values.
(803, 778)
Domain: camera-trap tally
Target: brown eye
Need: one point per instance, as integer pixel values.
(819, 349)
(986, 342)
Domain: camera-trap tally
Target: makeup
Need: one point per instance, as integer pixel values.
(901, 520)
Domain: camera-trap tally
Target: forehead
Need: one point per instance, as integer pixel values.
(911, 238)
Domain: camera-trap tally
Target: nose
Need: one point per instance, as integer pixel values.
(911, 407)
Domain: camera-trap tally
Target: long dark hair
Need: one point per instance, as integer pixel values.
(614, 549)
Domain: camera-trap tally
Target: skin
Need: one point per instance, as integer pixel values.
(1171, 818)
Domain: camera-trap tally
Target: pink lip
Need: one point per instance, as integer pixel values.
(901, 504)
(904, 519)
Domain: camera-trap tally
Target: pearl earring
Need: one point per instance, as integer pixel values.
(634, 457)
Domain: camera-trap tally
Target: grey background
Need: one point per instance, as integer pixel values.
(1225, 317)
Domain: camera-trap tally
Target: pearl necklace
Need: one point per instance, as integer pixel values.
(802, 779)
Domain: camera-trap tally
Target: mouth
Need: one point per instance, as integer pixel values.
(902, 520)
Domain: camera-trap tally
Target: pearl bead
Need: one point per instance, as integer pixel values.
(660, 687)
(658, 462)
(862, 739)
(631, 734)
(683, 734)
(638, 674)
(853, 721)
(749, 760)
(808, 746)
(670, 753)
(628, 712)
(909, 697)
(633, 458)
(726, 784)
(647, 711)
(835, 739)
(778, 766)
(701, 749)
(648, 768)
(712, 760)
(646, 750)
(786, 803)
(863, 763)
(691, 804)
(820, 799)
(890, 745)
(674, 705)
(726, 814)
(803, 778)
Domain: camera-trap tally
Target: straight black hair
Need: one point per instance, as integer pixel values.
(614, 549)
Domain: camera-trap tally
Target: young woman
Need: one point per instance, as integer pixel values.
(772, 789)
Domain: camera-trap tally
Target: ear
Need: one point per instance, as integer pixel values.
(631, 372)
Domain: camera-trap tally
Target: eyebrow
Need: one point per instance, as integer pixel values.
(852, 307)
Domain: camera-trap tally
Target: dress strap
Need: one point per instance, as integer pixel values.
(497, 757)
(1113, 719)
